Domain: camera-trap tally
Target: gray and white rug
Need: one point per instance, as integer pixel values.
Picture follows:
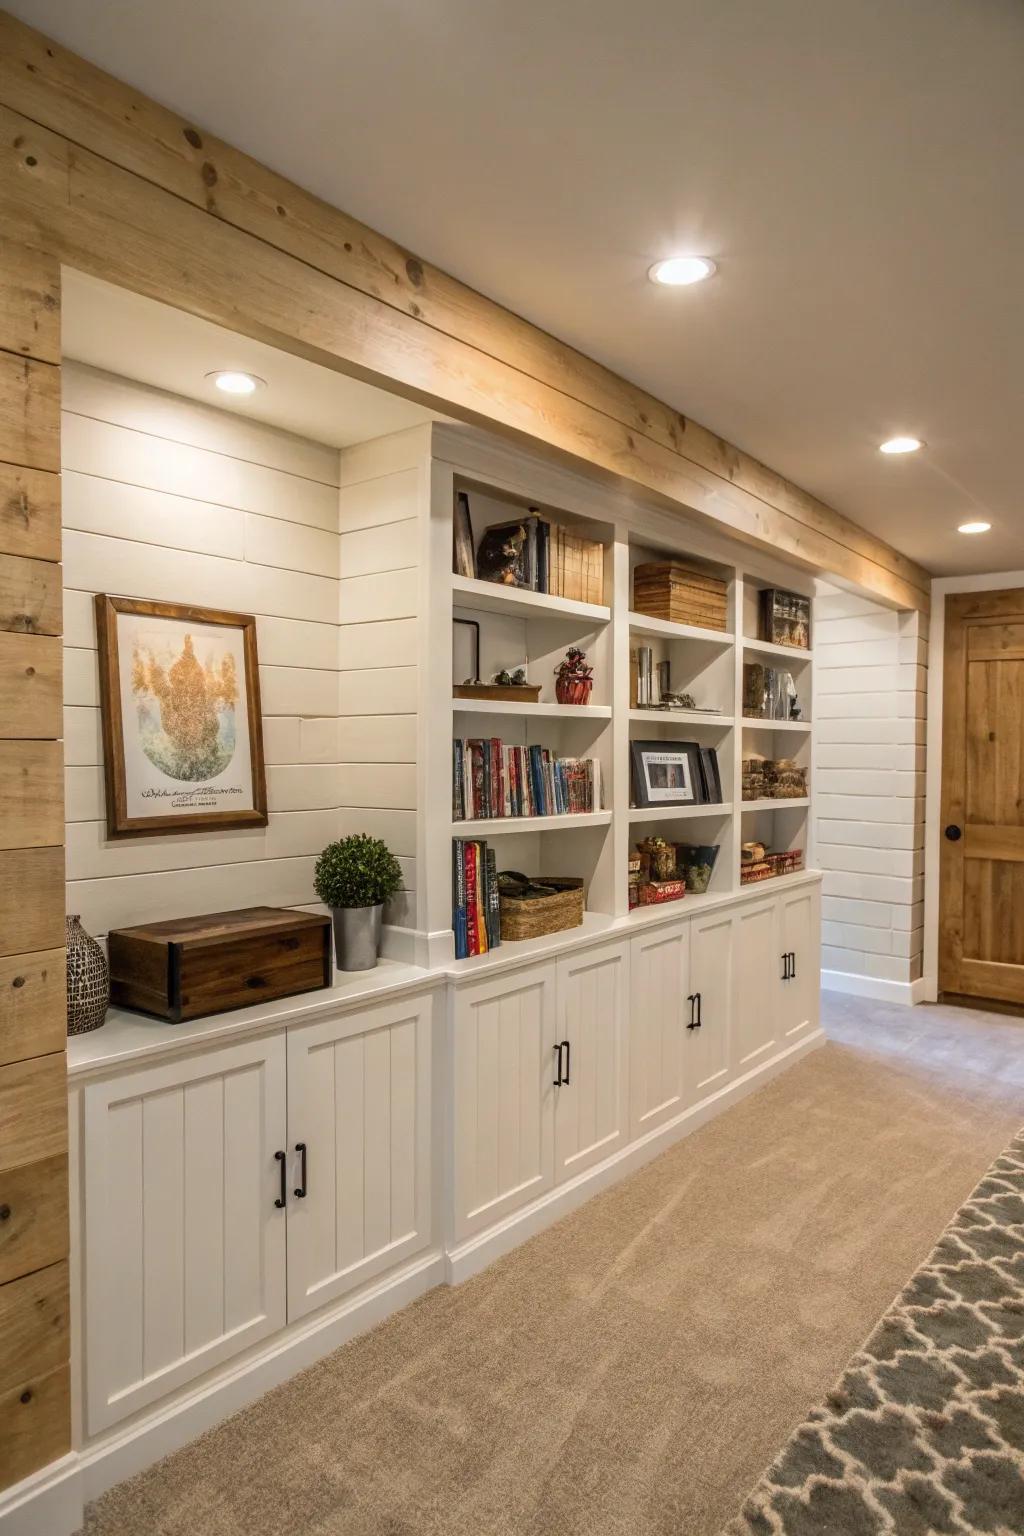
(924, 1433)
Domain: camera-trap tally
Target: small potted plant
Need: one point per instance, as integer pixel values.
(355, 877)
(574, 679)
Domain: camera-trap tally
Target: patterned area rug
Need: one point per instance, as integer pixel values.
(924, 1433)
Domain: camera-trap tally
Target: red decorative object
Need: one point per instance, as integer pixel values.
(654, 892)
(574, 679)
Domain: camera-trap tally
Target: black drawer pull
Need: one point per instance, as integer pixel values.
(694, 1001)
(562, 1065)
(557, 1081)
(283, 1196)
(300, 1193)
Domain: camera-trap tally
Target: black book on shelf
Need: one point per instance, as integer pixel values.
(711, 776)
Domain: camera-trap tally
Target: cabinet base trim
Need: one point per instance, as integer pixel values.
(875, 987)
(49, 1503)
(470, 1257)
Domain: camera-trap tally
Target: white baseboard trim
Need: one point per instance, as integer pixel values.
(476, 1253)
(49, 1503)
(907, 993)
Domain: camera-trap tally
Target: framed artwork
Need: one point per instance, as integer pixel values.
(666, 773)
(463, 558)
(182, 730)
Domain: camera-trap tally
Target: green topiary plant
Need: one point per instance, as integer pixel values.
(358, 871)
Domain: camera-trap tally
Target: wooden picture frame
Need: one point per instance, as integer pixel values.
(194, 748)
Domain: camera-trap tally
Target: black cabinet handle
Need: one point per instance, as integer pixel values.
(281, 1160)
(695, 1019)
(792, 965)
(558, 1064)
(300, 1193)
(562, 1066)
(565, 1079)
(785, 966)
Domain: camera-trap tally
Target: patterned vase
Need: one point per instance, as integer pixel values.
(88, 980)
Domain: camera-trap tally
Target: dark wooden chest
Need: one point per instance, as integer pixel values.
(191, 966)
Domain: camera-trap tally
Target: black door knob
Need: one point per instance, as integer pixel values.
(954, 834)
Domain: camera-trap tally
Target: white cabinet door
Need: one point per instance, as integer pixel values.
(708, 1045)
(184, 1244)
(591, 1103)
(503, 1075)
(659, 971)
(800, 923)
(758, 982)
(359, 1135)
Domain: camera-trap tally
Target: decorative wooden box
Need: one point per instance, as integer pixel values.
(667, 589)
(192, 966)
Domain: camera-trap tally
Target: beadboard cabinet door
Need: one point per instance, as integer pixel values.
(359, 1148)
(184, 1244)
(592, 1101)
(800, 927)
(759, 967)
(503, 1036)
(659, 984)
(707, 1066)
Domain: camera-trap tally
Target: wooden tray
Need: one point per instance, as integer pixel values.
(528, 693)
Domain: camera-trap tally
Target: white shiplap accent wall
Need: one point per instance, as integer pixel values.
(382, 520)
(870, 696)
(165, 498)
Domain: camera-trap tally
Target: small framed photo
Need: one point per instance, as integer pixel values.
(666, 773)
(180, 707)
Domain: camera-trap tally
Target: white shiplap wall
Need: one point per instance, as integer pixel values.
(164, 498)
(870, 680)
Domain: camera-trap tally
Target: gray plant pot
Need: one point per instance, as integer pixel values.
(357, 937)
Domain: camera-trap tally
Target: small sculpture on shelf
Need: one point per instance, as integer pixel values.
(88, 979)
(507, 679)
(574, 678)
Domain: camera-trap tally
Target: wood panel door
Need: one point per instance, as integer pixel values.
(503, 1040)
(184, 1240)
(358, 1148)
(591, 1102)
(708, 1064)
(659, 985)
(981, 917)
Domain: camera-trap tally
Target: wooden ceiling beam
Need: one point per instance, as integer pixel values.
(364, 304)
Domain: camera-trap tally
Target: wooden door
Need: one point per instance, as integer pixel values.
(759, 970)
(591, 1102)
(503, 1112)
(659, 970)
(981, 918)
(184, 1241)
(359, 1130)
(800, 992)
(709, 1045)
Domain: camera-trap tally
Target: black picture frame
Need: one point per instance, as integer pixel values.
(677, 763)
(463, 547)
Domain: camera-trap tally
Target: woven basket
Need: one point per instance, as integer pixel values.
(538, 915)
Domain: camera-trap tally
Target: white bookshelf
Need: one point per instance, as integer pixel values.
(535, 629)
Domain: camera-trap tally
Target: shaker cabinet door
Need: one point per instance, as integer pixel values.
(591, 1101)
(659, 1011)
(359, 1148)
(708, 1046)
(502, 1109)
(184, 1243)
(800, 923)
(759, 968)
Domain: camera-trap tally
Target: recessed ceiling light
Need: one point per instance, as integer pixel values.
(900, 445)
(680, 271)
(235, 383)
(974, 527)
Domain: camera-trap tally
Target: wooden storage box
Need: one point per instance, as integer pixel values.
(536, 915)
(666, 589)
(192, 966)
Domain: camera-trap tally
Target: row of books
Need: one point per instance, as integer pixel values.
(490, 780)
(475, 906)
(542, 557)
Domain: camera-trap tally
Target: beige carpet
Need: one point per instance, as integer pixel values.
(634, 1368)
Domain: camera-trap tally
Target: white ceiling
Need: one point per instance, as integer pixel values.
(854, 166)
(140, 339)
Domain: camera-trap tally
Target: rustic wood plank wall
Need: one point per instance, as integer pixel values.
(34, 1371)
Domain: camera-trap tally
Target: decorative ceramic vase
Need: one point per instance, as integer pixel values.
(88, 979)
(357, 936)
(573, 690)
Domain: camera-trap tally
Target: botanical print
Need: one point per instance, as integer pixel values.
(180, 696)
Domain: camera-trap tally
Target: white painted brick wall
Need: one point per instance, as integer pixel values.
(870, 688)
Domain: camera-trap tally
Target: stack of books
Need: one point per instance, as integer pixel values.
(667, 589)
(491, 780)
(542, 557)
(475, 912)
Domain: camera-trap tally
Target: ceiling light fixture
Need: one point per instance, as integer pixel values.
(680, 271)
(234, 383)
(978, 527)
(900, 445)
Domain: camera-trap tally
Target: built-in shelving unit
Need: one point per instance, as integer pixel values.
(519, 628)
